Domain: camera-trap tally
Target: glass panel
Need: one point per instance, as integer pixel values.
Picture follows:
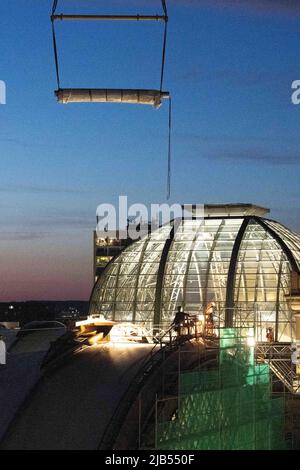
(197, 266)
(262, 281)
(196, 273)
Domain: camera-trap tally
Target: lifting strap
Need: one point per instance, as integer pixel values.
(153, 97)
(54, 6)
(164, 44)
(55, 17)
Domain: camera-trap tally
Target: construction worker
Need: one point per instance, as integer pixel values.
(209, 319)
(180, 320)
(270, 335)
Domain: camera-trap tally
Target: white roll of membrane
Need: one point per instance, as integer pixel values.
(104, 95)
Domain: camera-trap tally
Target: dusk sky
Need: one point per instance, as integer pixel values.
(229, 69)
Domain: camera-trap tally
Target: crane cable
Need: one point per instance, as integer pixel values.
(170, 102)
(169, 151)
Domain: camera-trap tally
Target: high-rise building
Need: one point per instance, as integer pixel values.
(105, 249)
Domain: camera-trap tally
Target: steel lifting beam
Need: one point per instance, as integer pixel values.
(63, 17)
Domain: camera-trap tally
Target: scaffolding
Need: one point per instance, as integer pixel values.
(228, 406)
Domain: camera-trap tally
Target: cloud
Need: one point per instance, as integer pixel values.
(238, 77)
(241, 149)
(68, 222)
(41, 189)
(76, 218)
(22, 236)
(48, 221)
(55, 219)
(259, 156)
(234, 139)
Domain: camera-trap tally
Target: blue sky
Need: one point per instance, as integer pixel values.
(229, 68)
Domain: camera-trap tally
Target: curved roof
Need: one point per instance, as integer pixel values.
(237, 262)
(71, 407)
(290, 239)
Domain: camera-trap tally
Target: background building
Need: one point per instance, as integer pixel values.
(105, 249)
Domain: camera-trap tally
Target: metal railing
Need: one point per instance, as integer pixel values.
(285, 373)
(278, 357)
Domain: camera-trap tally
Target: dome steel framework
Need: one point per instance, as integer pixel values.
(242, 263)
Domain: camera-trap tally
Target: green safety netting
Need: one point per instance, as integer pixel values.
(227, 407)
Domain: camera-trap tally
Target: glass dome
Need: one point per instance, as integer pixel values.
(243, 264)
